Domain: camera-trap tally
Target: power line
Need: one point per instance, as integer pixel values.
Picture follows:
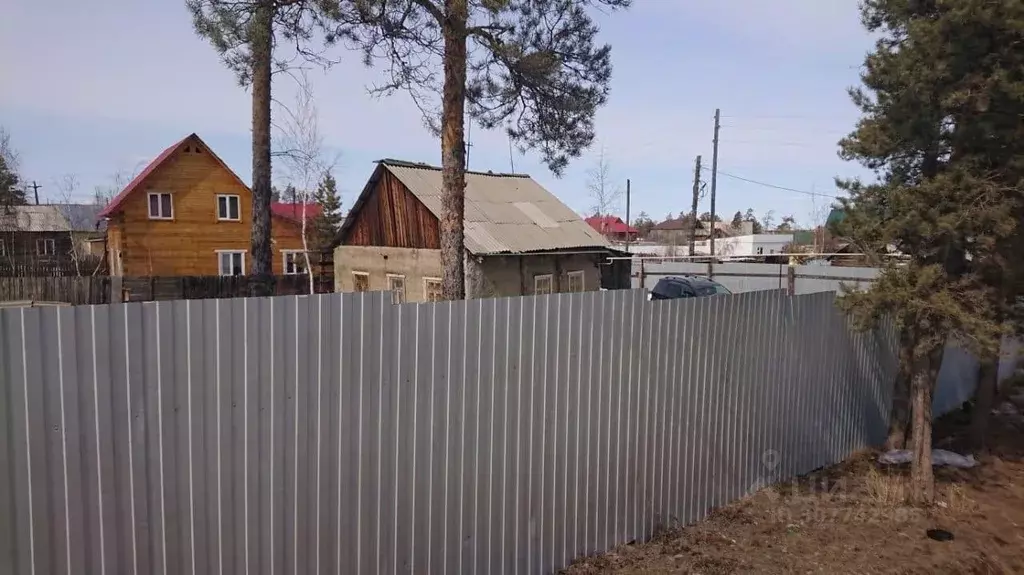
(774, 186)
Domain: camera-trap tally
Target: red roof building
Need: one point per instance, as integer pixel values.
(613, 228)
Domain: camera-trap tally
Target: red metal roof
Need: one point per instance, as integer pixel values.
(293, 212)
(115, 205)
(610, 225)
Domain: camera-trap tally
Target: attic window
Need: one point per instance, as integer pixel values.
(188, 150)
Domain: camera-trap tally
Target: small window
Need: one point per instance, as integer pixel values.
(760, 251)
(228, 208)
(396, 285)
(231, 263)
(294, 262)
(432, 289)
(3, 248)
(160, 207)
(576, 281)
(542, 284)
(360, 281)
(46, 247)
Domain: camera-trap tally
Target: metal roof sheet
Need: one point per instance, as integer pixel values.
(505, 213)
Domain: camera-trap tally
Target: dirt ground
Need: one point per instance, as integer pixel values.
(858, 524)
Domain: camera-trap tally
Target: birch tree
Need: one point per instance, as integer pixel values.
(304, 156)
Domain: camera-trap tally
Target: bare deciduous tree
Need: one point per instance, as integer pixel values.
(301, 148)
(67, 187)
(602, 190)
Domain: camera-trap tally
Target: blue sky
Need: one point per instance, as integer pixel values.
(100, 87)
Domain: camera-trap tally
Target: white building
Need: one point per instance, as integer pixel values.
(746, 246)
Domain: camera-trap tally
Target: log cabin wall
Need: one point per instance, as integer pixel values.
(187, 244)
(394, 217)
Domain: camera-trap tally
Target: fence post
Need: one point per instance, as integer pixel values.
(790, 280)
(641, 277)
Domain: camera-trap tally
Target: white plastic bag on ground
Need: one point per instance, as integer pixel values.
(940, 457)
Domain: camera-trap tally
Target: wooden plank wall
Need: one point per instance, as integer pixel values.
(74, 290)
(394, 217)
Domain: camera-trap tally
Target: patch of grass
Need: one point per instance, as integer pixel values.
(886, 489)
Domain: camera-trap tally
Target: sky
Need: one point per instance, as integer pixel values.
(99, 88)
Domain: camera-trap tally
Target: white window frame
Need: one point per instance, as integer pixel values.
(401, 294)
(760, 250)
(362, 275)
(582, 277)
(49, 247)
(284, 261)
(426, 291)
(220, 262)
(227, 208)
(159, 204)
(539, 278)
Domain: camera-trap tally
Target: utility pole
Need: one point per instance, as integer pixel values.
(627, 214)
(693, 209)
(714, 179)
(35, 189)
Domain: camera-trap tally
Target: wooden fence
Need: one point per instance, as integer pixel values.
(103, 289)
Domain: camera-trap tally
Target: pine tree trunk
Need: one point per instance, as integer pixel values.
(899, 418)
(262, 48)
(922, 478)
(988, 375)
(453, 150)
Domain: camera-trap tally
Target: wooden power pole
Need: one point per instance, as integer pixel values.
(714, 179)
(627, 214)
(693, 208)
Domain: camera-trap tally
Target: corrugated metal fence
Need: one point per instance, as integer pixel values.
(742, 277)
(343, 434)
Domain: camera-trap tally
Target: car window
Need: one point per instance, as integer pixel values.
(668, 289)
(706, 291)
(721, 289)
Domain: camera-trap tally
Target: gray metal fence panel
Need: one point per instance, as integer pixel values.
(342, 433)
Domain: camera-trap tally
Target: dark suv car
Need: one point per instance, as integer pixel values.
(686, 286)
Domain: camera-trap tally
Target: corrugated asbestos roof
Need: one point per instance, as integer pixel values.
(505, 213)
(33, 218)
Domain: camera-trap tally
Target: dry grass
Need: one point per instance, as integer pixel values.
(886, 488)
(853, 518)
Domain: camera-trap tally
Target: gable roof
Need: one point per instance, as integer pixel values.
(504, 213)
(610, 225)
(83, 217)
(115, 205)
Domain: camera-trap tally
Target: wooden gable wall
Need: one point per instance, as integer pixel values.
(392, 216)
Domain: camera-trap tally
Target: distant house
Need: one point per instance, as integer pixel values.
(519, 238)
(613, 228)
(188, 214)
(676, 231)
(48, 240)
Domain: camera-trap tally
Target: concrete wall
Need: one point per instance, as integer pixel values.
(505, 276)
(414, 264)
(486, 276)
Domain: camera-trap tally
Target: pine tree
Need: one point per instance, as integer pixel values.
(328, 221)
(10, 193)
(245, 35)
(531, 67)
(941, 103)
